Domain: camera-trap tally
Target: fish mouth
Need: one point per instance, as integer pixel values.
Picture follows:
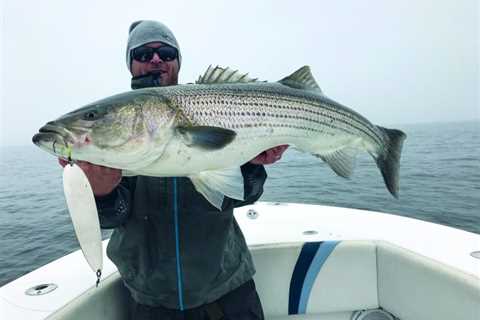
(54, 139)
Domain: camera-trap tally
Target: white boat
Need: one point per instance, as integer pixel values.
(313, 262)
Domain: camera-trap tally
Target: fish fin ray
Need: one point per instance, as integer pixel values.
(389, 161)
(223, 75)
(301, 79)
(216, 184)
(128, 173)
(341, 161)
(206, 137)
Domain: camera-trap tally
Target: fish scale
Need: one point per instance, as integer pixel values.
(240, 113)
(251, 106)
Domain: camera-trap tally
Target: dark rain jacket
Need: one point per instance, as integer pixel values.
(171, 246)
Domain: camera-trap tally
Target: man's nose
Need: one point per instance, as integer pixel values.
(156, 58)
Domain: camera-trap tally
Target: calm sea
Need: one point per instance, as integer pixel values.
(440, 182)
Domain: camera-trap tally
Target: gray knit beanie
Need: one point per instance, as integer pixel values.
(147, 31)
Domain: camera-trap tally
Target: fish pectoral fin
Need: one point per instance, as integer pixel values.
(301, 79)
(128, 173)
(341, 161)
(223, 75)
(215, 185)
(205, 137)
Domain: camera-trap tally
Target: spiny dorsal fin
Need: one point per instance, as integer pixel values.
(301, 79)
(223, 75)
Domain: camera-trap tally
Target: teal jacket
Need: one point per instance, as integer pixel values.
(171, 246)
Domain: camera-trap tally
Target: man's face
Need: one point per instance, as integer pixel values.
(168, 69)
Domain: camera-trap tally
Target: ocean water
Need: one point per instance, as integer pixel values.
(439, 182)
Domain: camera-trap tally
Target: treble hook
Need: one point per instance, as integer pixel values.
(99, 275)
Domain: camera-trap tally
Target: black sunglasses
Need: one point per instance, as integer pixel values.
(144, 53)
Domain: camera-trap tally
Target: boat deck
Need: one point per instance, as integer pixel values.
(276, 232)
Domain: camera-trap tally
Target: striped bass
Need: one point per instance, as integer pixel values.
(206, 130)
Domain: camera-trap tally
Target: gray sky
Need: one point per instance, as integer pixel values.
(392, 61)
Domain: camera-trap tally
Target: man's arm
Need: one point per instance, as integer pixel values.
(114, 208)
(254, 176)
(113, 193)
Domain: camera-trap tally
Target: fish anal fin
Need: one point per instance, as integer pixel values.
(301, 79)
(216, 184)
(342, 161)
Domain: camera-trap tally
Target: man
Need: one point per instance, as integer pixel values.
(180, 257)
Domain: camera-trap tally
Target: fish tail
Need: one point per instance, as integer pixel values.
(389, 160)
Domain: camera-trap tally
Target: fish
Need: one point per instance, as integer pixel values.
(208, 129)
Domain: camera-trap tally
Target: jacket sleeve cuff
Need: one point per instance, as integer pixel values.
(254, 176)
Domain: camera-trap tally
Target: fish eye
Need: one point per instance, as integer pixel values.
(90, 115)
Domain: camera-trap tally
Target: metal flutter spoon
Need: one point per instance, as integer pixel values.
(84, 215)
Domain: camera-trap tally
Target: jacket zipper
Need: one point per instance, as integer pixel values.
(177, 246)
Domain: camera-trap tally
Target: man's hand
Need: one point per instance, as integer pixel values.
(270, 156)
(102, 179)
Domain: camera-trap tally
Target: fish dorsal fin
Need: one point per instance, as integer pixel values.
(223, 75)
(301, 79)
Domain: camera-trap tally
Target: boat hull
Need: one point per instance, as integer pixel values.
(359, 260)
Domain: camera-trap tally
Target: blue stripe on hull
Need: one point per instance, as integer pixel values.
(308, 266)
(299, 273)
